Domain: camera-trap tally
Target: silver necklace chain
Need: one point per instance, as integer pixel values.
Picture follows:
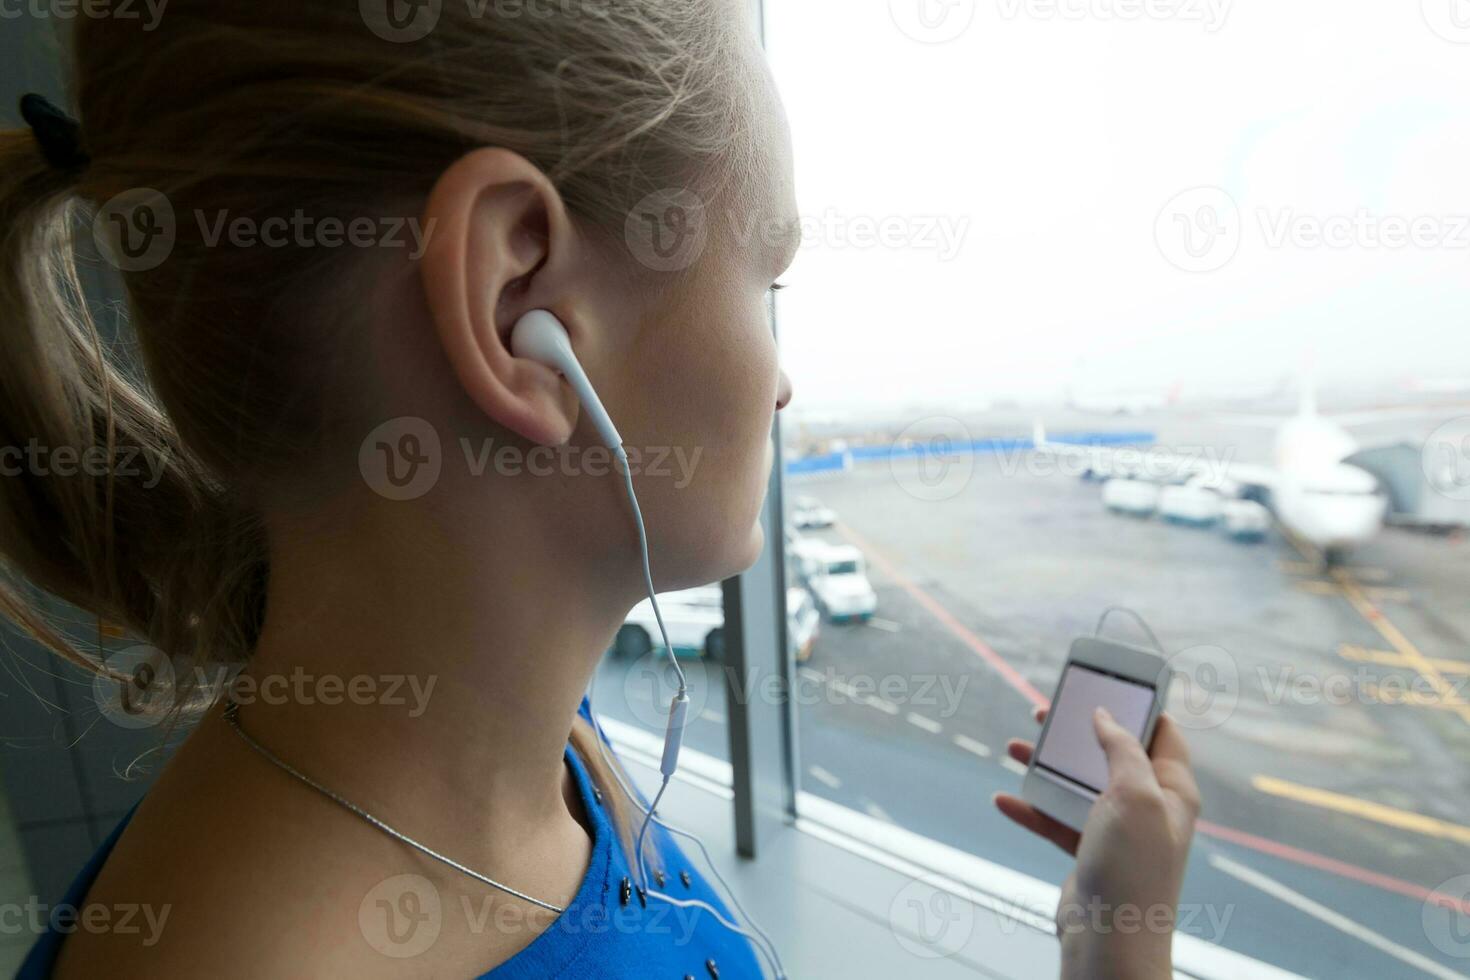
(232, 712)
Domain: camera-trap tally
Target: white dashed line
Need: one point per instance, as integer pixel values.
(886, 625)
(888, 708)
(850, 693)
(877, 812)
(1013, 765)
(928, 724)
(970, 745)
(824, 777)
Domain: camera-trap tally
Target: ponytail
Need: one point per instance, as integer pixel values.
(100, 503)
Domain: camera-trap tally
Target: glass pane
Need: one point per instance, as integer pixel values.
(635, 683)
(1163, 310)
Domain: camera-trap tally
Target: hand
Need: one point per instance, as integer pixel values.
(1116, 915)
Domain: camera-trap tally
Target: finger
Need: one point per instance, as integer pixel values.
(1020, 751)
(1127, 762)
(1169, 741)
(1039, 713)
(1037, 822)
(1171, 761)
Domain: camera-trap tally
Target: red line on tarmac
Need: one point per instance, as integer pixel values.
(979, 646)
(1313, 860)
(1284, 852)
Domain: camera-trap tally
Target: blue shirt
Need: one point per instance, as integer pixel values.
(607, 932)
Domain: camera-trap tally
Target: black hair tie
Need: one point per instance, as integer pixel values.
(58, 135)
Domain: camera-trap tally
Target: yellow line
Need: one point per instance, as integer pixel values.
(1395, 637)
(1351, 805)
(1414, 699)
(1362, 573)
(1389, 659)
(1400, 642)
(1317, 586)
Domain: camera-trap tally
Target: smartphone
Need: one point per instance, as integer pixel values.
(1068, 770)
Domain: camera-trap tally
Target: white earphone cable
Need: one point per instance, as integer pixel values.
(758, 936)
(672, 741)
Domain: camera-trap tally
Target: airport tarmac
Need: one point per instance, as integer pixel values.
(1328, 711)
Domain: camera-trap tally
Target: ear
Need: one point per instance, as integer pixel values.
(497, 228)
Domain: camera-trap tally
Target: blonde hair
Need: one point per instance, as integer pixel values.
(239, 108)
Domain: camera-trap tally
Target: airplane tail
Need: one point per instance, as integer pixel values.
(1307, 398)
(1307, 402)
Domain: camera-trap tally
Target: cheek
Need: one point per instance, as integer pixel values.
(745, 379)
(717, 385)
(718, 393)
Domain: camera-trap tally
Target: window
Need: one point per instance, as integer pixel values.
(1129, 304)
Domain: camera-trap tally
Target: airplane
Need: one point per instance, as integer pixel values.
(1438, 386)
(1121, 402)
(1315, 493)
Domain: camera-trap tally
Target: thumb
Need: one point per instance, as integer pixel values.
(1127, 762)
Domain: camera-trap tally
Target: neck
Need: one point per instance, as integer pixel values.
(458, 667)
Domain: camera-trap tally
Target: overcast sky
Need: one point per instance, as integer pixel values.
(1033, 166)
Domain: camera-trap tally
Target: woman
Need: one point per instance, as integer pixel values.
(583, 160)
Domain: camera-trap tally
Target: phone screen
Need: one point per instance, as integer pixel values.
(1070, 748)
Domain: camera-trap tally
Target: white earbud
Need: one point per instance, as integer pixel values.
(539, 336)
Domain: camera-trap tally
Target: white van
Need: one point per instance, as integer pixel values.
(837, 574)
(1190, 504)
(1136, 497)
(1246, 520)
(695, 619)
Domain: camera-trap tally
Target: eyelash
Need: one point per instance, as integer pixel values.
(776, 287)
